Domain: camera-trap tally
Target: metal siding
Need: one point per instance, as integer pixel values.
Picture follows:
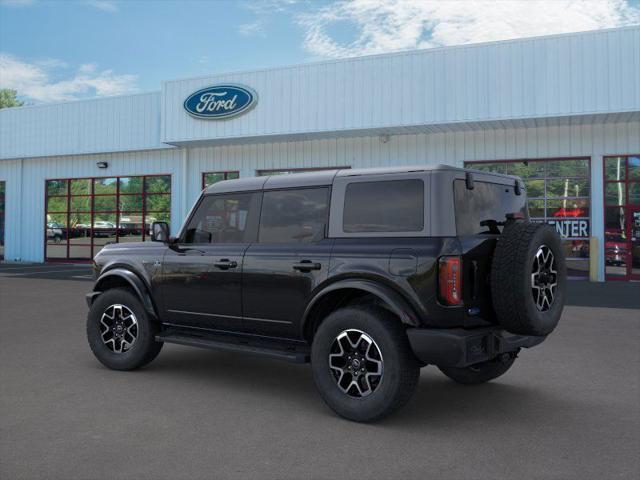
(557, 76)
(90, 126)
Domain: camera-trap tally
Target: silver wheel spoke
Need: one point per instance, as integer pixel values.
(356, 363)
(118, 328)
(544, 278)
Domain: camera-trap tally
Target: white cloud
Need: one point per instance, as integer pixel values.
(252, 29)
(36, 81)
(104, 5)
(389, 25)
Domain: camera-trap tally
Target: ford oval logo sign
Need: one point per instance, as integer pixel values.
(220, 101)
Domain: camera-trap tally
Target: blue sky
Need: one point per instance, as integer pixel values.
(63, 50)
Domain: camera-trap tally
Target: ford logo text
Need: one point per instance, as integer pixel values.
(220, 101)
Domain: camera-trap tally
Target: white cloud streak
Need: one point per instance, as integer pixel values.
(252, 29)
(389, 25)
(104, 5)
(35, 81)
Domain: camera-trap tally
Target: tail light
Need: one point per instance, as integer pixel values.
(450, 280)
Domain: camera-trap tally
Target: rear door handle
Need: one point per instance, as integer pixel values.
(225, 264)
(306, 266)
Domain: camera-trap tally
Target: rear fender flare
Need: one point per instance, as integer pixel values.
(133, 281)
(397, 304)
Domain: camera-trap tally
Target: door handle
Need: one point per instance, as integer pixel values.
(306, 266)
(225, 264)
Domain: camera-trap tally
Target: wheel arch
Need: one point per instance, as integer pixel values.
(352, 291)
(121, 277)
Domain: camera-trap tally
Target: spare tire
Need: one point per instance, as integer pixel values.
(528, 278)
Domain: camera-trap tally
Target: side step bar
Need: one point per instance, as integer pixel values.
(230, 343)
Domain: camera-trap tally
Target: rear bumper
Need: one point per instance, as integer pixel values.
(457, 347)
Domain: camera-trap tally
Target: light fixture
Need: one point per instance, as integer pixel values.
(102, 164)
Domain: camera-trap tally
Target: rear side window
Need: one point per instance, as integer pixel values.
(384, 206)
(231, 218)
(487, 201)
(294, 216)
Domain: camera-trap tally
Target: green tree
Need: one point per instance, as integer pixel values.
(8, 98)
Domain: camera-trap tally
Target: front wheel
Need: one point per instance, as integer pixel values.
(120, 333)
(480, 372)
(363, 366)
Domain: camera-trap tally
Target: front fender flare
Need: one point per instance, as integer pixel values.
(134, 281)
(397, 304)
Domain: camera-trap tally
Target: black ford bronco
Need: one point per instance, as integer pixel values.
(367, 274)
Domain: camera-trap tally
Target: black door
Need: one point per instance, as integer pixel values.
(290, 259)
(202, 272)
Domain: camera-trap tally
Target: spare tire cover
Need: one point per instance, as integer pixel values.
(528, 278)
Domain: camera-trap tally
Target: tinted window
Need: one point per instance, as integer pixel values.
(384, 206)
(487, 201)
(294, 216)
(225, 219)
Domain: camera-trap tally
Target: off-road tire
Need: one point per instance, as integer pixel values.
(145, 348)
(511, 278)
(401, 370)
(479, 373)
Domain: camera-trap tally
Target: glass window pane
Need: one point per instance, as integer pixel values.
(633, 166)
(131, 184)
(105, 185)
(615, 252)
(57, 204)
(634, 193)
(567, 168)
(526, 169)
(229, 218)
(56, 233)
(614, 194)
(105, 203)
(401, 211)
(80, 252)
(536, 208)
(79, 225)
(294, 216)
(211, 178)
(567, 208)
(58, 219)
(80, 204)
(487, 201)
(131, 203)
(489, 167)
(614, 220)
(81, 186)
(157, 217)
(535, 188)
(614, 168)
(56, 187)
(158, 203)
(130, 235)
(131, 221)
(233, 175)
(160, 184)
(56, 250)
(104, 221)
(567, 188)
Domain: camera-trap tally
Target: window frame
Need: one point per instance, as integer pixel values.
(183, 231)
(325, 235)
(336, 212)
(226, 174)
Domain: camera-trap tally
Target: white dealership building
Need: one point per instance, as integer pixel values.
(562, 111)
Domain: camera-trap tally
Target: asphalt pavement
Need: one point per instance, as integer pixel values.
(568, 409)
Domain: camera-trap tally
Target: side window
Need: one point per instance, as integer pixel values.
(384, 206)
(294, 216)
(229, 218)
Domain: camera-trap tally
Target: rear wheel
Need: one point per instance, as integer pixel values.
(120, 333)
(362, 363)
(480, 372)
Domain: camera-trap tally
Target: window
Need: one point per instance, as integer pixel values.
(225, 219)
(209, 178)
(264, 173)
(84, 214)
(559, 193)
(294, 216)
(487, 201)
(384, 206)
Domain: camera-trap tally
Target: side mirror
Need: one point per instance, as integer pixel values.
(160, 232)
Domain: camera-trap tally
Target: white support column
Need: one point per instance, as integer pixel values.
(597, 212)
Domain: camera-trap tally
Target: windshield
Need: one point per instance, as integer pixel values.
(486, 204)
